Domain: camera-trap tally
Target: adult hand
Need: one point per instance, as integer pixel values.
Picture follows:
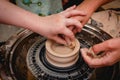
(57, 24)
(111, 50)
(83, 20)
(89, 7)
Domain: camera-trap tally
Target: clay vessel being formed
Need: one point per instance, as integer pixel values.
(61, 55)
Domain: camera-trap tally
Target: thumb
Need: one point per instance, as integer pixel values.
(100, 47)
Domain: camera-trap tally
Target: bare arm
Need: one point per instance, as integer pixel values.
(11, 14)
(49, 26)
(89, 6)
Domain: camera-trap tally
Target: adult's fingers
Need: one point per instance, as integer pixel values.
(91, 61)
(73, 22)
(97, 62)
(85, 56)
(104, 46)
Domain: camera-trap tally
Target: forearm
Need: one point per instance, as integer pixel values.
(11, 14)
(91, 5)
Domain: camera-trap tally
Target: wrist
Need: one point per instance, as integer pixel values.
(89, 6)
(34, 23)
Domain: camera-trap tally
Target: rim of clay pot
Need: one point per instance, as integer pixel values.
(52, 52)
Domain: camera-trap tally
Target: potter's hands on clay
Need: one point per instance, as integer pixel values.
(48, 26)
(111, 55)
(57, 24)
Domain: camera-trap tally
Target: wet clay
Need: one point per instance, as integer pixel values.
(72, 45)
(62, 55)
(61, 49)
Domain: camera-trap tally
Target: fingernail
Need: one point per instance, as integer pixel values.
(92, 53)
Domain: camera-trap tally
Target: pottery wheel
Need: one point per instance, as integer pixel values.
(26, 57)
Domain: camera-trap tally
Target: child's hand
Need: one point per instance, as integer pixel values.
(57, 24)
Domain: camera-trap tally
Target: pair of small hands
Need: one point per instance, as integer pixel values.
(111, 50)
